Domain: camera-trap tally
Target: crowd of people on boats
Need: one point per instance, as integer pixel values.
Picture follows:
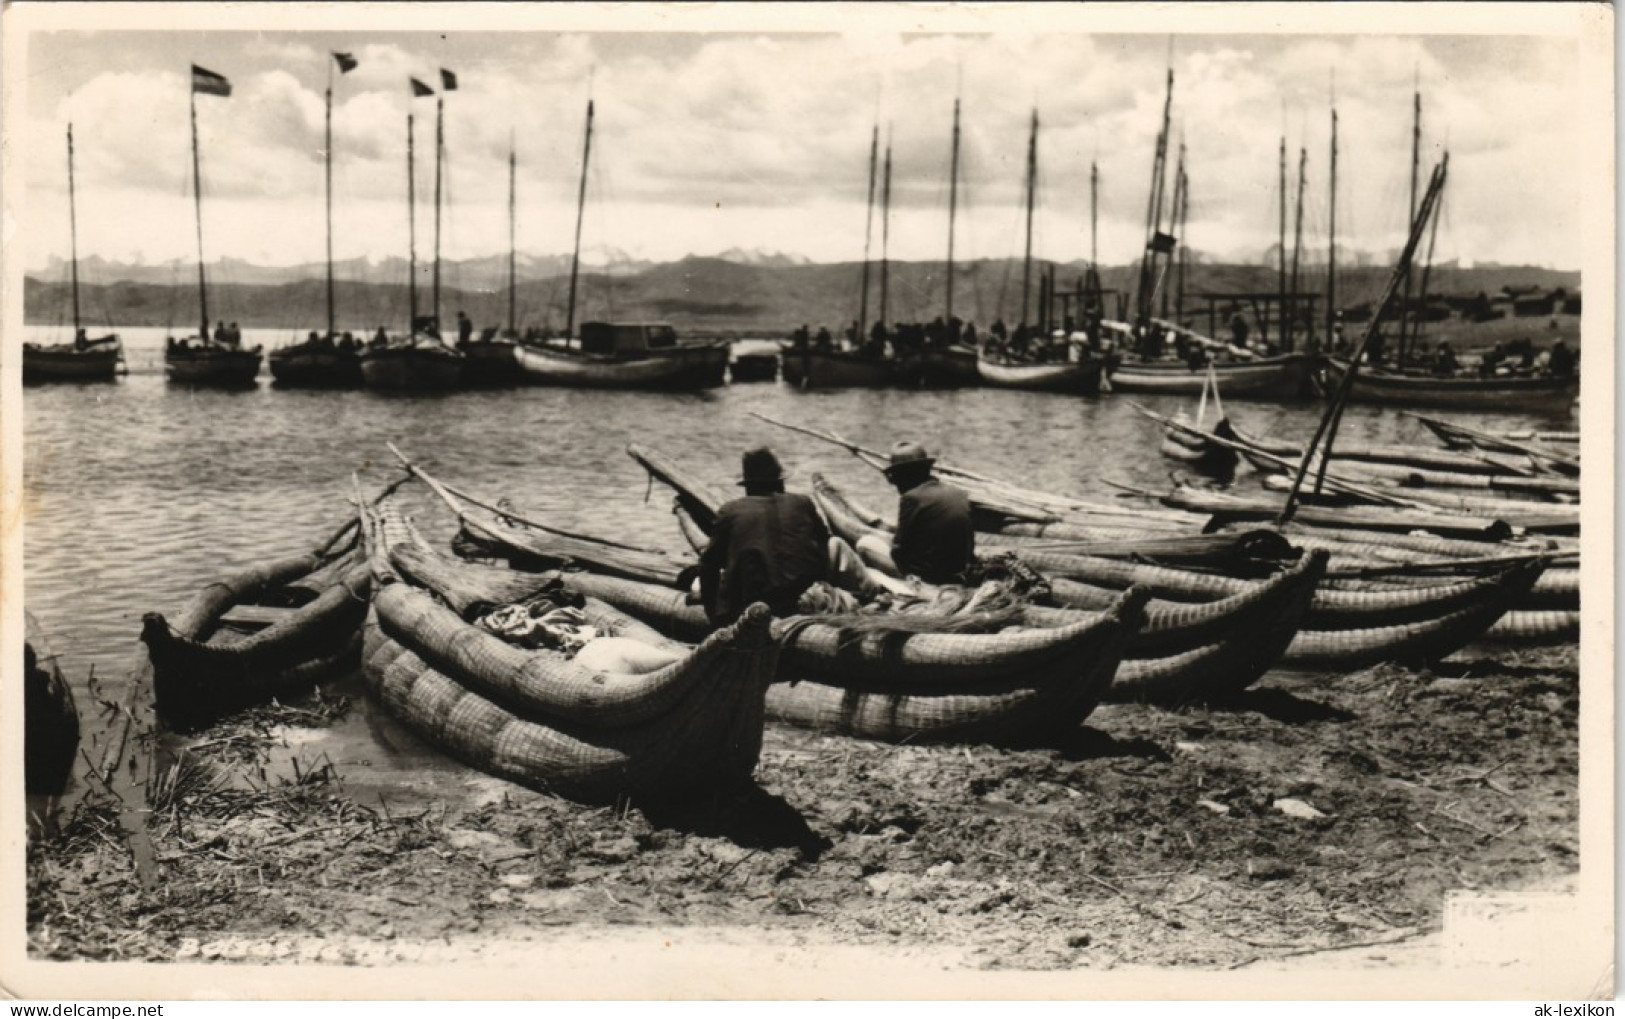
(902, 340)
(227, 337)
(772, 546)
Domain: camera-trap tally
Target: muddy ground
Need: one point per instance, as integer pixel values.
(1315, 812)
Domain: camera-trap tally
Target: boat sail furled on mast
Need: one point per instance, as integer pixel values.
(323, 360)
(420, 360)
(217, 360)
(84, 359)
(618, 355)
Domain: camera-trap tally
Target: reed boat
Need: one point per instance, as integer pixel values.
(625, 355)
(1284, 376)
(1004, 688)
(1226, 508)
(96, 360)
(1456, 436)
(1522, 514)
(415, 364)
(272, 629)
(1082, 377)
(835, 369)
(316, 364)
(50, 716)
(1497, 392)
(1403, 455)
(690, 723)
(1538, 627)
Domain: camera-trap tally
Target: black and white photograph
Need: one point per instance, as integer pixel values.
(787, 501)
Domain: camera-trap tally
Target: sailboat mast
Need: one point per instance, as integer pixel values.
(953, 201)
(1408, 327)
(411, 231)
(581, 207)
(1433, 236)
(1184, 250)
(1173, 209)
(885, 228)
(868, 227)
(1094, 215)
(197, 195)
(327, 150)
(73, 234)
(1331, 247)
(1032, 186)
(511, 243)
(1153, 212)
(1280, 261)
(439, 161)
(1297, 240)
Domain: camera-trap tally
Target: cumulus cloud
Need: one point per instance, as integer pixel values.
(757, 140)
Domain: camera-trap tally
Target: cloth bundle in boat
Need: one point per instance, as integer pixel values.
(540, 624)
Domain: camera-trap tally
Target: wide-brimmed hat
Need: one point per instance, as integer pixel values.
(759, 466)
(906, 454)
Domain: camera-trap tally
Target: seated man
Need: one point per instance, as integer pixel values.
(768, 546)
(934, 540)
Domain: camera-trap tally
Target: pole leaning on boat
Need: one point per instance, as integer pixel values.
(953, 202)
(73, 234)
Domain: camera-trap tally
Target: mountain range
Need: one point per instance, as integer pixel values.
(771, 294)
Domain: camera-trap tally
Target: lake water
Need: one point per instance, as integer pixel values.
(138, 491)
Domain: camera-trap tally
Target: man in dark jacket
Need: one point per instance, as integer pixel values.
(769, 546)
(934, 541)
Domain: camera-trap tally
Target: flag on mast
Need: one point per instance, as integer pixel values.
(419, 89)
(448, 81)
(209, 83)
(346, 62)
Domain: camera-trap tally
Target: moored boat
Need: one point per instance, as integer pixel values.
(808, 368)
(625, 355)
(199, 361)
(420, 363)
(93, 360)
(1495, 392)
(317, 363)
(1080, 376)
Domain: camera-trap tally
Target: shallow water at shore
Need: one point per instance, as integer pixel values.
(138, 491)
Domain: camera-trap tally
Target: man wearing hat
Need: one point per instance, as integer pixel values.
(768, 546)
(934, 539)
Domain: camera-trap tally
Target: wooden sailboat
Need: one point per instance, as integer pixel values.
(419, 361)
(326, 360)
(1406, 384)
(491, 361)
(84, 359)
(219, 360)
(618, 355)
(1240, 372)
(816, 366)
(1081, 372)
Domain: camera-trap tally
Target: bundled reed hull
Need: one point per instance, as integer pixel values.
(687, 367)
(204, 669)
(50, 716)
(546, 721)
(1082, 377)
(1536, 627)
(306, 367)
(1412, 643)
(812, 369)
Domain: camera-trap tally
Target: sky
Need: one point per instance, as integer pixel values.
(715, 140)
